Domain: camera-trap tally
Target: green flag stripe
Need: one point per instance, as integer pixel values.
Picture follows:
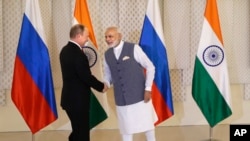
(97, 113)
(207, 96)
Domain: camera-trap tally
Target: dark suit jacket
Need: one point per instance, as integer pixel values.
(77, 78)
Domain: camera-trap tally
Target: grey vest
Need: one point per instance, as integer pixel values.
(127, 76)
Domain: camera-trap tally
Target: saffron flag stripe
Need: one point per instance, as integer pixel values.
(82, 16)
(32, 87)
(210, 84)
(211, 15)
(153, 44)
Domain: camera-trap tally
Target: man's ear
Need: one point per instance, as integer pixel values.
(120, 36)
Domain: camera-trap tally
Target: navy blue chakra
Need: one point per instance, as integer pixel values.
(213, 55)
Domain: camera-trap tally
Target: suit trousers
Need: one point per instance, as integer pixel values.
(80, 124)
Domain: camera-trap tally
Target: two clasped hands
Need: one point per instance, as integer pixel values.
(105, 88)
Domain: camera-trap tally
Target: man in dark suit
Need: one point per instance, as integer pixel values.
(77, 83)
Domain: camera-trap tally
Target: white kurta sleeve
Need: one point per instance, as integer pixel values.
(142, 59)
(107, 74)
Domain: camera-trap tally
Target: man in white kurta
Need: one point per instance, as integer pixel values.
(124, 66)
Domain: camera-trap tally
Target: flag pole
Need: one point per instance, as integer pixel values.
(33, 137)
(210, 133)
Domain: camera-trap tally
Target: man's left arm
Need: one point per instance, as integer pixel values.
(146, 63)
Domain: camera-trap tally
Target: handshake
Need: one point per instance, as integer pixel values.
(105, 88)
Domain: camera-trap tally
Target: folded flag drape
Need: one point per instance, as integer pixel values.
(32, 87)
(153, 44)
(210, 84)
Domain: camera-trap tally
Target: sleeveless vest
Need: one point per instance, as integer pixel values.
(127, 76)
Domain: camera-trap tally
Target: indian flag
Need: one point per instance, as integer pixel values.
(210, 85)
(97, 112)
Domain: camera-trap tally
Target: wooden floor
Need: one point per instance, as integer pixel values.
(170, 133)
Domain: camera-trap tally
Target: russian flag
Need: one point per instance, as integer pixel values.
(32, 87)
(153, 44)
